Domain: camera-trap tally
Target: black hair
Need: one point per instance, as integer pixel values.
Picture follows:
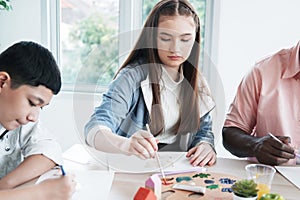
(29, 63)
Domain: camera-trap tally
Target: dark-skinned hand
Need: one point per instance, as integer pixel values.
(269, 151)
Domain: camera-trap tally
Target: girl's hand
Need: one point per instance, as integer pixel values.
(141, 144)
(202, 155)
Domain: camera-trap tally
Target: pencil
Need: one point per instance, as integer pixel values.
(158, 161)
(62, 170)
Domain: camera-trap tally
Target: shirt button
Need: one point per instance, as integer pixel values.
(7, 148)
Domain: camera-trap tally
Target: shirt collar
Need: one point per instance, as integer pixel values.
(293, 65)
(147, 90)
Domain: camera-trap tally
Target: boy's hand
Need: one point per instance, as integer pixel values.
(58, 188)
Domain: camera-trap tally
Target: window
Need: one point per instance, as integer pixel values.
(89, 46)
(90, 50)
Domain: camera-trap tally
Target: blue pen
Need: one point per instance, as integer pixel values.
(62, 170)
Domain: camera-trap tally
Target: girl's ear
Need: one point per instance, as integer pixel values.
(4, 79)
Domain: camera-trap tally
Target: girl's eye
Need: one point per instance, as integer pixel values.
(185, 40)
(165, 39)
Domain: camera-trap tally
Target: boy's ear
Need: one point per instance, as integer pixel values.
(4, 78)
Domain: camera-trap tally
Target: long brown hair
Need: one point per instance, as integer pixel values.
(146, 48)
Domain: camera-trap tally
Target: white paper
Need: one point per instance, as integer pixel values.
(54, 173)
(91, 184)
(291, 173)
(170, 161)
(77, 153)
(85, 155)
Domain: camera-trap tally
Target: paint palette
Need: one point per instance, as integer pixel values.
(217, 186)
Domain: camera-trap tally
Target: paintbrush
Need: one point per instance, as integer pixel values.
(158, 161)
(275, 138)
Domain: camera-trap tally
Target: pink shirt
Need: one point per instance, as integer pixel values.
(268, 98)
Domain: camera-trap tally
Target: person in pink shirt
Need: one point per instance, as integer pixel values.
(267, 101)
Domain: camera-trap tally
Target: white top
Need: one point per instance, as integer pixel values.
(170, 103)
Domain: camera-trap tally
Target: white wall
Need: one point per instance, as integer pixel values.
(22, 23)
(247, 30)
(67, 114)
(250, 30)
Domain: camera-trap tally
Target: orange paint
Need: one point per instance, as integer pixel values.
(167, 181)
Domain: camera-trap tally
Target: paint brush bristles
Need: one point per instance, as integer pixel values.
(158, 161)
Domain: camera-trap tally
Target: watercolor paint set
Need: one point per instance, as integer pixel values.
(187, 185)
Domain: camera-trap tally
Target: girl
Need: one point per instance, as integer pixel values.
(159, 84)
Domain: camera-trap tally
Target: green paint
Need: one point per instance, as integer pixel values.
(201, 175)
(183, 178)
(213, 186)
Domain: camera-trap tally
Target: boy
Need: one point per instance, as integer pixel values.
(29, 76)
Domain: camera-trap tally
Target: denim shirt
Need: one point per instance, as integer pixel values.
(123, 109)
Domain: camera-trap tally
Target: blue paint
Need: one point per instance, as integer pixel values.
(226, 190)
(227, 181)
(209, 181)
(183, 178)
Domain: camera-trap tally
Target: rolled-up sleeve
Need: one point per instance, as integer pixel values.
(35, 139)
(205, 133)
